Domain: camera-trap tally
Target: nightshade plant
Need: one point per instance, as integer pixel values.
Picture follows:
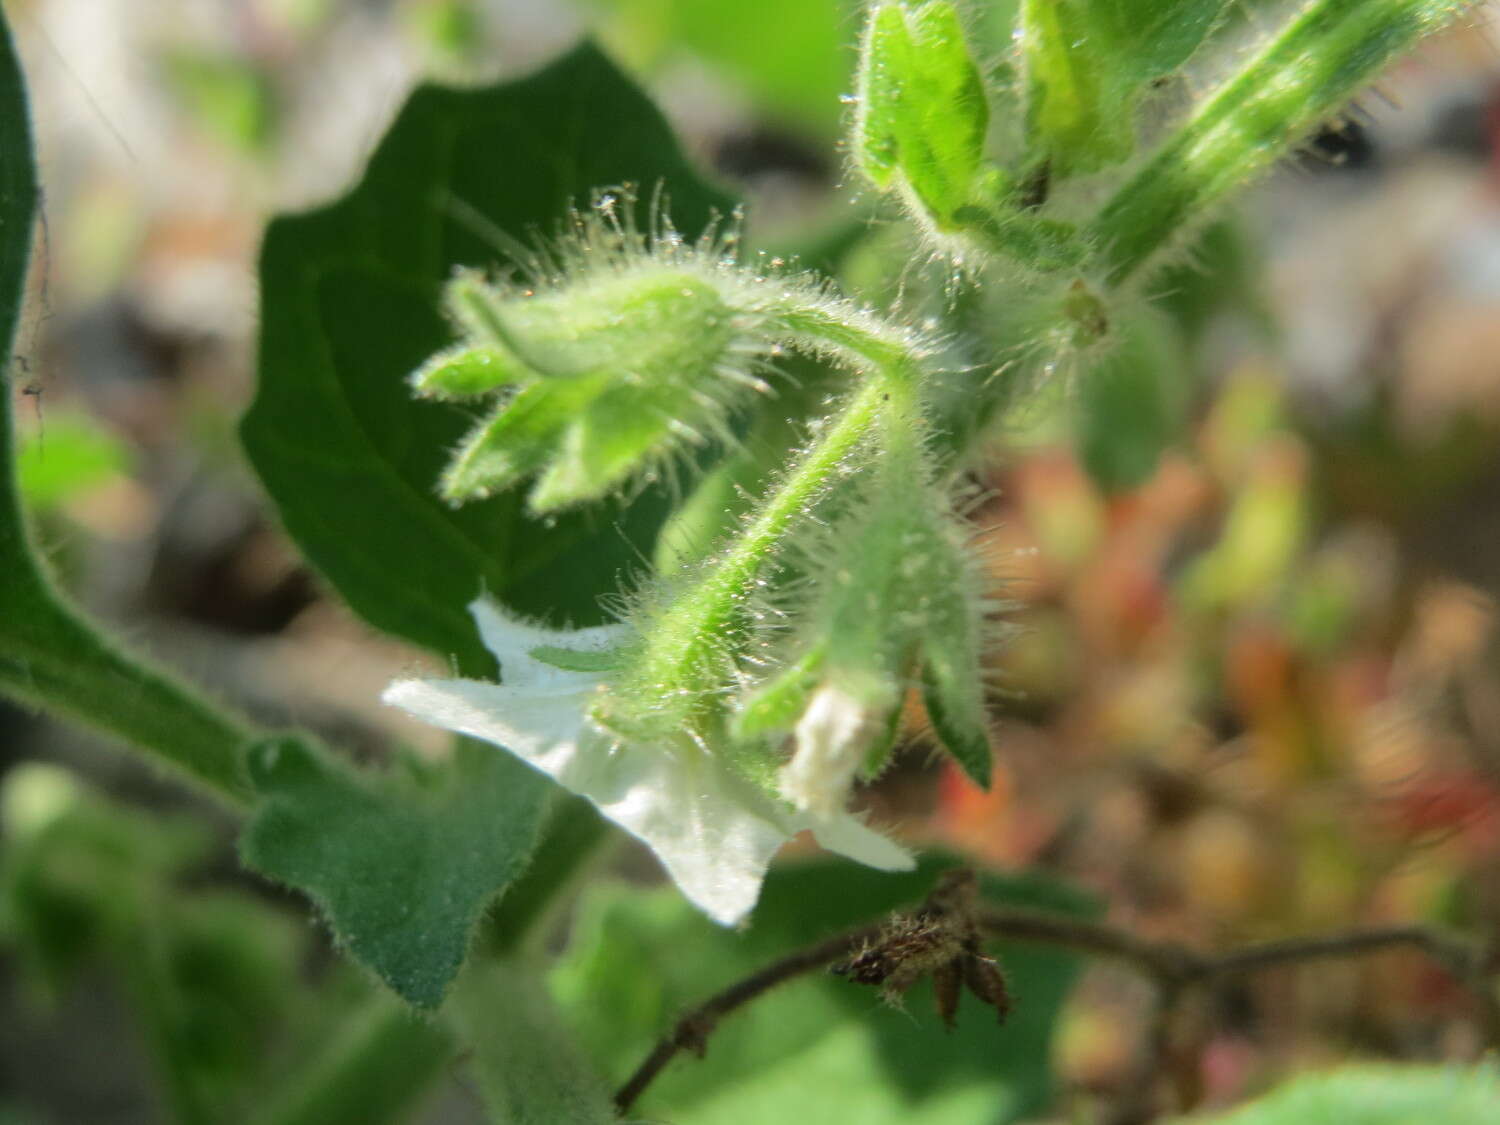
(688, 521)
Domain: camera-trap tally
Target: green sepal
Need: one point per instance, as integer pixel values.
(923, 108)
(778, 704)
(878, 756)
(955, 705)
(578, 660)
(952, 659)
(618, 434)
(466, 372)
(516, 441)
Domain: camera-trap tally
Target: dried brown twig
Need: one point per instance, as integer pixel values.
(1172, 969)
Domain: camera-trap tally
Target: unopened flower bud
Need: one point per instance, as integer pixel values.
(832, 739)
(922, 112)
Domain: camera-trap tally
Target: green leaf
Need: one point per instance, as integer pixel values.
(922, 106)
(402, 867)
(818, 1048)
(1375, 1095)
(520, 439)
(1132, 405)
(349, 309)
(1087, 63)
(49, 655)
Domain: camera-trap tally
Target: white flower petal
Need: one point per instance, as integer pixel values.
(512, 639)
(713, 832)
(701, 822)
(849, 836)
(540, 729)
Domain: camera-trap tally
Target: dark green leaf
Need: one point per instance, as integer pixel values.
(818, 1050)
(402, 867)
(349, 309)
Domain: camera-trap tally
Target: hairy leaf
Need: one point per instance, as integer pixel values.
(402, 867)
(922, 106)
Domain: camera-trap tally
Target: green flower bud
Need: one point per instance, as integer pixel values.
(922, 112)
(896, 604)
(614, 372)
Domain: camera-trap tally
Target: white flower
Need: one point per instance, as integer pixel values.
(713, 831)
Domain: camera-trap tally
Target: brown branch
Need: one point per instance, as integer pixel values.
(1172, 968)
(691, 1032)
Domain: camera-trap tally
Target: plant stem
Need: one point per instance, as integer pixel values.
(1304, 74)
(692, 1030)
(54, 659)
(1172, 968)
(683, 640)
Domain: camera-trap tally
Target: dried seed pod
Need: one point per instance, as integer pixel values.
(947, 984)
(986, 982)
(941, 938)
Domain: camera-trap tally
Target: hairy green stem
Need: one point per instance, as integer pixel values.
(1306, 73)
(684, 639)
(59, 662)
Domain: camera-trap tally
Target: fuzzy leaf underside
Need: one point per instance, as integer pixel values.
(402, 867)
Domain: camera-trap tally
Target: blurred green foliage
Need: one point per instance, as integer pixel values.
(821, 1048)
(68, 454)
